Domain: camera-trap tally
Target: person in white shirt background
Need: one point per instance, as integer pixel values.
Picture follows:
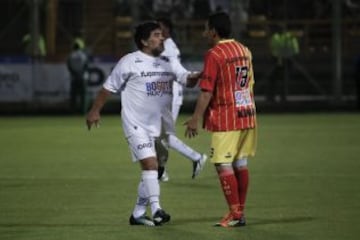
(168, 138)
(144, 79)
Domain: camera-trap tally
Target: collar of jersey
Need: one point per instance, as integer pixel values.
(146, 55)
(226, 40)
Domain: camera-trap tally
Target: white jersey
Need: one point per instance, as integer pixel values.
(172, 52)
(145, 83)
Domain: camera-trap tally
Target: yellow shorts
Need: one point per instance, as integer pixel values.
(227, 147)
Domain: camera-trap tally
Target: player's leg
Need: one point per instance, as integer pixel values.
(197, 158)
(223, 147)
(246, 149)
(149, 168)
(242, 175)
(179, 146)
(162, 148)
(138, 216)
(141, 202)
(162, 152)
(149, 186)
(175, 143)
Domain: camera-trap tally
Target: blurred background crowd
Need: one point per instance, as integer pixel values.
(323, 71)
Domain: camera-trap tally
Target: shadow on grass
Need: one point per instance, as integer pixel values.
(250, 222)
(172, 226)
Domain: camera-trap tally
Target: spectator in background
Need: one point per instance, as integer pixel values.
(77, 64)
(40, 53)
(284, 46)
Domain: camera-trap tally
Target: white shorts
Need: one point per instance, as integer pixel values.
(141, 147)
(168, 124)
(175, 111)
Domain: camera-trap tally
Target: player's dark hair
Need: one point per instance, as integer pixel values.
(143, 31)
(220, 21)
(167, 23)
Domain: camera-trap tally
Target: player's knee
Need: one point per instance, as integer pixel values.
(149, 163)
(222, 166)
(240, 163)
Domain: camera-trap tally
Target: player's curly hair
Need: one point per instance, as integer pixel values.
(143, 31)
(220, 21)
(167, 22)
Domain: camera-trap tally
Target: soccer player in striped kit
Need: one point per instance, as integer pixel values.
(226, 104)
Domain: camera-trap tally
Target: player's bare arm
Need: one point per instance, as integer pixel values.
(93, 117)
(201, 106)
(192, 79)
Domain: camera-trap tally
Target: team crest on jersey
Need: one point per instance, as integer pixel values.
(156, 64)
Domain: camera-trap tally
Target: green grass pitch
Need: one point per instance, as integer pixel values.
(59, 181)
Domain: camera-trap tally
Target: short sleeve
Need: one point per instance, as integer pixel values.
(210, 71)
(118, 76)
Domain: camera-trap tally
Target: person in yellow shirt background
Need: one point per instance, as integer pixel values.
(284, 46)
(28, 47)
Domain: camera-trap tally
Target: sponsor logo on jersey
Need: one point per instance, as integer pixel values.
(246, 112)
(158, 88)
(156, 74)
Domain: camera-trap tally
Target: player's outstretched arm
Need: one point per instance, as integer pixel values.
(192, 79)
(93, 116)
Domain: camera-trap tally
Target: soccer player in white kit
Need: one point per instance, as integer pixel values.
(144, 79)
(172, 52)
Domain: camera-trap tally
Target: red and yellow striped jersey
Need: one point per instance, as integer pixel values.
(228, 74)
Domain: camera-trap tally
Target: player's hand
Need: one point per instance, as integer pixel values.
(93, 118)
(191, 128)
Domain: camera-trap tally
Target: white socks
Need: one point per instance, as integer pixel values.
(141, 201)
(181, 147)
(151, 188)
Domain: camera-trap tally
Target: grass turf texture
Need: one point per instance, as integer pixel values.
(59, 181)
